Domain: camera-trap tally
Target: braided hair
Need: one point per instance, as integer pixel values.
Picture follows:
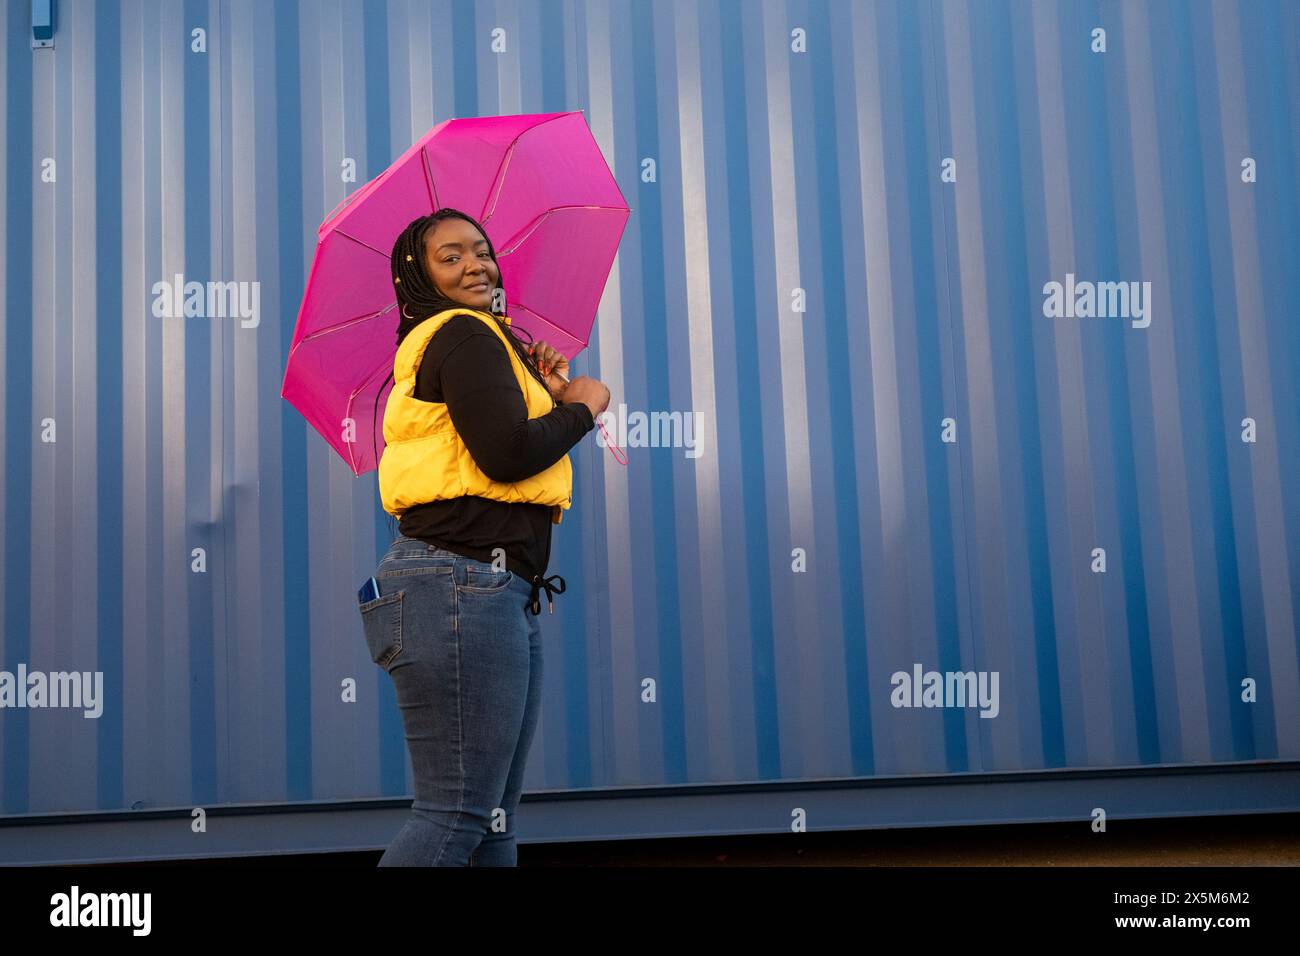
(418, 297)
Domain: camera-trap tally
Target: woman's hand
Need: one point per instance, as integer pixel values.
(550, 360)
(590, 392)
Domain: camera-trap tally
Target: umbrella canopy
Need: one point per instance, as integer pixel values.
(547, 200)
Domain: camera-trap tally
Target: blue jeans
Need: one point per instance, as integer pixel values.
(466, 661)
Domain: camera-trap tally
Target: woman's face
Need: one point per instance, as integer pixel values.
(457, 257)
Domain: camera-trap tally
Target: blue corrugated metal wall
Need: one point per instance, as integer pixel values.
(910, 175)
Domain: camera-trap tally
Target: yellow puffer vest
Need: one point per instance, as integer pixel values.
(425, 458)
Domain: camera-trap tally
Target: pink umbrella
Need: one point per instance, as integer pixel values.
(539, 186)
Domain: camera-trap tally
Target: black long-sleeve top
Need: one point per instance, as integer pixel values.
(467, 366)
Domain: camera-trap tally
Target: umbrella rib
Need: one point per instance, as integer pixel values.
(352, 398)
(499, 181)
(428, 180)
(364, 245)
(559, 328)
(348, 324)
(368, 379)
(519, 237)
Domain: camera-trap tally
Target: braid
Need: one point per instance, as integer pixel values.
(416, 294)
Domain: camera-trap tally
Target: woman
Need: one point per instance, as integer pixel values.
(478, 427)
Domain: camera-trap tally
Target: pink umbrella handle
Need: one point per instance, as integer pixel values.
(613, 449)
(609, 442)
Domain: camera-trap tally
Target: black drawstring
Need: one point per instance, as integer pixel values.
(540, 582)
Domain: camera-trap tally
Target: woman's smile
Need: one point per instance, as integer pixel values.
(459, 262)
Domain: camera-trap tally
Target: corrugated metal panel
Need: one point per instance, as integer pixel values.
(776, 170)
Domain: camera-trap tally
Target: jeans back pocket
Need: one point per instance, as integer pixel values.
(485, 579)
(382, 621)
